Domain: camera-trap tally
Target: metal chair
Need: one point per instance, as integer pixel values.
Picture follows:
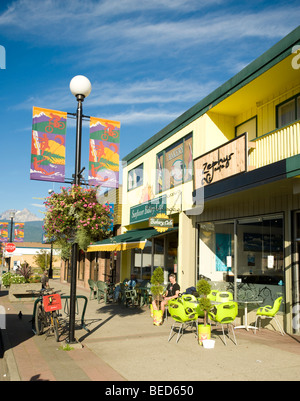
(182, 316)
(269, 312)
(225, 313)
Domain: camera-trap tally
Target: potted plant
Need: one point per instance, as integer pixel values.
(157, 290)
(203, 289)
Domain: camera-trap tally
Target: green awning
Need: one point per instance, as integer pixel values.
(129, 240)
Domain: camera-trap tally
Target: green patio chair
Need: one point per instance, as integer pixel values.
(269, 312)
(102, 291)
(190, 301)
(212, 295)
(225, 313)
(224, 296)
(93, 289)
(181, 317)
(131, 297)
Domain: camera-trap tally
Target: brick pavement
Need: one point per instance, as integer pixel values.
(123, 345)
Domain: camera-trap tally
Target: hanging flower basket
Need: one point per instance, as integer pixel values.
(74, 215)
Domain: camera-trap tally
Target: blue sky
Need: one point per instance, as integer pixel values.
(148, 62)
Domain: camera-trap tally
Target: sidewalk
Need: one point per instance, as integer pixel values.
(123, 345)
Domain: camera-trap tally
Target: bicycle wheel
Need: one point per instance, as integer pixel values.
(39, 320)
(55, 325)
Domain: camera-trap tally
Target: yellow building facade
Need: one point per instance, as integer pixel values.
(227, 172)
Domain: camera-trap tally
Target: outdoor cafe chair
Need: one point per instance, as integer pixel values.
(269, 312)
(212, 295)
(93, 289)
(224, 296)
(190, 301)
(181, 317)
(225, 313)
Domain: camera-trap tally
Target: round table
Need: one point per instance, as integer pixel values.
(252, 301)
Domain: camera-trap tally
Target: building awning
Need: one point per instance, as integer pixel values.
(130, 240)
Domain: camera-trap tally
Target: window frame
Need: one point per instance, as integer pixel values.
(160, 170)
(295, 99)
(138, 184)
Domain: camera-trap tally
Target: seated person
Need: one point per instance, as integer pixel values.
(172, 292)
(132, 282)
(129, 284)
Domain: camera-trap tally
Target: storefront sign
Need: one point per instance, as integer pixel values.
(161, 222)
(148, 209)
(222, 162)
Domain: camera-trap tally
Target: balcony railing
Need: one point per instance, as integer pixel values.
(275, 146)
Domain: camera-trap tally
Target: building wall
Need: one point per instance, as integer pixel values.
(26, 251)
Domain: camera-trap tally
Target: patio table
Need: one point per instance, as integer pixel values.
(245, 303)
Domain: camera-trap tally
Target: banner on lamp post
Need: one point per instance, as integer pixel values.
(48, 145)
(3, 232)
(19, 232)
(104, 153)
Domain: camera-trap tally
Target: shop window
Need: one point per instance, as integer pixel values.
(135, 177)
(142, 262)
(159, 252)
(174, 165)
(259, 245)
(216, 251)
(288, 111)
(260, 251)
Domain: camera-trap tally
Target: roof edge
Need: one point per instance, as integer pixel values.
(268, 59)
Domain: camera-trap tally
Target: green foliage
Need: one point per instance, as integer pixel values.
(6, 279)
(157, 280)
(25, 271)
(24, 275)
(204, 288)
(11, 278)
(42, 259)
(157, 276)
(74, 215)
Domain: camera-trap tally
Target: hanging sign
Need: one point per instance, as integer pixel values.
(222, 162)
(48, 145)
(104, 153)
(161, 222)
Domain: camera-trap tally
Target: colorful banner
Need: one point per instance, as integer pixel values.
(104, 153)
(48, 145)
(3, 232)
(19, 232)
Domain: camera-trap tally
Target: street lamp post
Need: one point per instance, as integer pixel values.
(80, 87)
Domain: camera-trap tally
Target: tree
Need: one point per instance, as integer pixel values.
(204, 288)
(157, 288)
(42, 259)
(75, 216)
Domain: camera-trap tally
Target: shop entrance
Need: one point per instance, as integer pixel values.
(160, 251)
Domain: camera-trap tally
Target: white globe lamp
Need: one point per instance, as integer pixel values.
(80, 86)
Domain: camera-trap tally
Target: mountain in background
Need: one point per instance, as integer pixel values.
(21, 216)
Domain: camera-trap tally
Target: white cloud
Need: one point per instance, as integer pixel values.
(139, 23)
(145, 100)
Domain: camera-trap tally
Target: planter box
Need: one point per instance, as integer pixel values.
(19, 292)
